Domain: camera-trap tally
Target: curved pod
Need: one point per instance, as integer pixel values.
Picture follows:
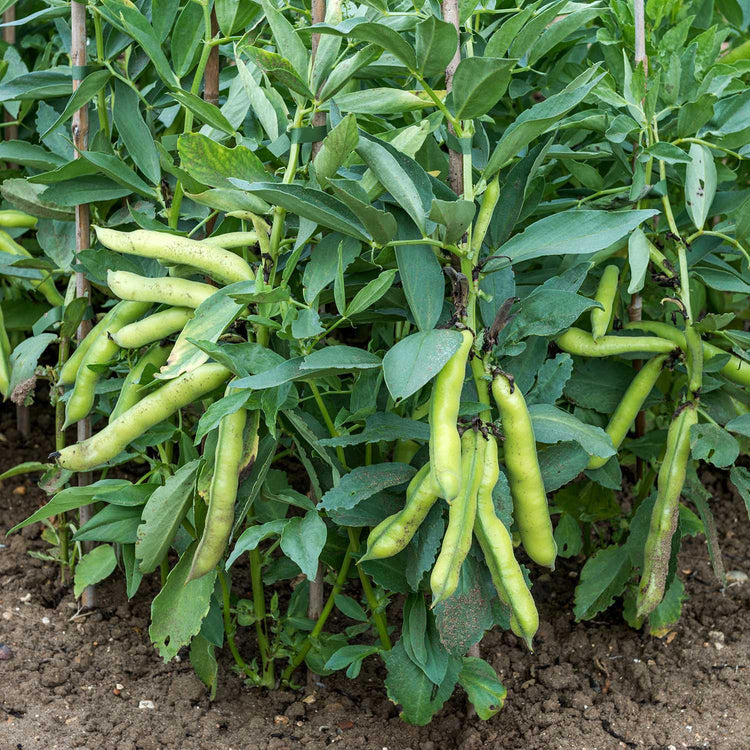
(164, 290)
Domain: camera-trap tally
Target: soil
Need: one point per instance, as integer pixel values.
(74, 681)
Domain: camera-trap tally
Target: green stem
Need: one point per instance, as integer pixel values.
(729, 240)
(229, 627)
(378, 617)
(259, 605)
(299, 657)
(701, 142)
(602, 193)
(62, 519)
(439, 103)
(101, 98)
(328, 422)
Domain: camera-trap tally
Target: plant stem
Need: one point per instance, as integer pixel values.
(101, 97)
(328, 421)
(729, 240)
(707, 144)
(259, 605)
(229, 627)
(299, 657)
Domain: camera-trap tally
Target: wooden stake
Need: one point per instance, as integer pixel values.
(9, 36)
(211, 89)
(456, 162)
(80, 132)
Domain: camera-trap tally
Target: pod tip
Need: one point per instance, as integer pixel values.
(54, 455)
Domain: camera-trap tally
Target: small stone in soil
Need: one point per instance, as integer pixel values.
(5, 652)
(146, 704)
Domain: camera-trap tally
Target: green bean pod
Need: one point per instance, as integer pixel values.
(15, 219)
(5, 350)
(524, 475)
(214, 261)
(484, 217)
(69, 370)
(155, 327)
(463, 510)
(394, 533)
(45, 286)
(497, 547)
(601, 318)
(631, 403)
(222, 494)
(577, 341)
(102, 350)
(230, 240)
(445, 443)
(671, 479)
(153, 408)
(164, 290)
(736, 369)
(131, 391)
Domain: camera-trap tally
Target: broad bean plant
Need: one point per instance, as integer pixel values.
(392, 308)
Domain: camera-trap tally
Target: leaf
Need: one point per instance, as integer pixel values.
(436, 43)
(302, 541)
(162, 516)
(187, 36)
(456, 216)
(253, 536)
(568, 536)
(381, 101)
(536, 120)
(381, 224)
(551, 379)
(113, 523)
(638, 259)
(336, 148)
(312, 204)
(29, 198)
(25, 357)
(740, 424)
(89, 87)
(570, 232)
(278, 69)
(401, 176)
(602, 579)
(135, 133)
(485, 692)
(203, 110)
(363, 482)
(700, 184)
(415, 360)
(668, 611)
(383, 426)
(93, 567)
(408, 686)
(29, 155)
(552, 425)
(259, 102)
(709, 442)
(287, 41)
(211, 319)
(213, 164)
(478, 84)
(546, 312)
(346, 655)
(179, 608)
(39, 84)
(203, 660)
(371, 293)
(423, 283)
(740, 478)
(115, 168)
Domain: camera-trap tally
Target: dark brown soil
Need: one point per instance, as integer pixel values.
(69, 681)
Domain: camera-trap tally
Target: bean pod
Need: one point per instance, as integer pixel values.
(394, 533)
(605, 296)
(17, 219)
(166, 291)
(102, 350)
(445, 443)
(463, 510)
(497, 547)
(524, 475)
(632, 401)
(157, 406)
(582, 343)
(214, 261)
(132, 389)
(153, 328)
(45, 286)
(222, 494)
(658, 549)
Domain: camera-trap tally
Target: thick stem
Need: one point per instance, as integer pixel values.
(259, 606)
(229, 627)
(381, 624)
(80, 128)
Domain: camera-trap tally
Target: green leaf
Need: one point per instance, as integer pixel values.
(162, 516)
(415, 360)
(552, 425)
(551, 379)
(30, 155)
(484, 690)
(638, 259)
(401, 176)
(536, 120)
(381, 101)
(602, 579)
(456, 216)
(259, 102)
(187, 37)
(253, 536)
(312, 204)
(93, 567)
(114, 167)
(302, 541)
(135, 133)
(179, 608)
(380, 224)
(570, 232)
(740, 424)
(212, 317)
(203, 110)
(408, 686)
(568, 536)
(113, 523)
(478, 84)
(700, 184)
(371, 293)
(39, 84)
(213, 164)
(346, 655)
(89, 87)
(546, 312)
(363, 482)
(668, 611)
(287, 41)
(709, 442)
(424, 546)
(346, 70)
(29, 467)
(436, 43)
(336, 148)
(383, 426)
(25, 357)
(740, 478)
(278, 69)
(29, 198)
(203, 661)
